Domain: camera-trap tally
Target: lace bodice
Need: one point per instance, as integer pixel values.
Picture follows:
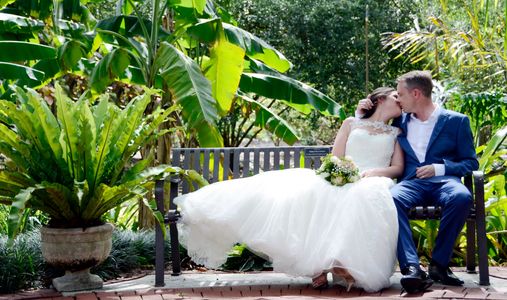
(371, 144)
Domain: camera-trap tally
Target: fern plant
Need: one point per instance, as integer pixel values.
(76, 166)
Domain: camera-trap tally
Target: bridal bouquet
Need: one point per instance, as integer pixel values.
(338, 171)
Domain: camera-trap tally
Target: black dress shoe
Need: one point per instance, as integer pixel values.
(415, 280)
(444, 275)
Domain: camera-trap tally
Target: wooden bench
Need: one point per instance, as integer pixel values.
(243, 162)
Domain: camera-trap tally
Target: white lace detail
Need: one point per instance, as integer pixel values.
(375, 127)
(371, 144)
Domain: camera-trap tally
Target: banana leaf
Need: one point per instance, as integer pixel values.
(192, 91)
(209, 31)
(296, 94)
(224, 72)
(12, 51)
(267, 119)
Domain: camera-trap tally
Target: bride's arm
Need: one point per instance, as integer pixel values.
(341, 138)
(394, 170)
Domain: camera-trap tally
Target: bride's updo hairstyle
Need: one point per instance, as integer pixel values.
(375, 96)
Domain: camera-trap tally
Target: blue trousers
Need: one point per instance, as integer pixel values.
(455, 200)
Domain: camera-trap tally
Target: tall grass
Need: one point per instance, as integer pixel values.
(20, 263)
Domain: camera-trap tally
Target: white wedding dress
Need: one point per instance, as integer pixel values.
(301, 222)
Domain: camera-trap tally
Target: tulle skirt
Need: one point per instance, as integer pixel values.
(299, 221)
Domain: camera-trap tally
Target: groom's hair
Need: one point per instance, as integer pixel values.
(375, 96)
(418, 80)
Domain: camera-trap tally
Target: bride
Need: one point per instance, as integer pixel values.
(304, 225)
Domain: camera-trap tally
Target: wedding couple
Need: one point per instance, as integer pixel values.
(307, 227)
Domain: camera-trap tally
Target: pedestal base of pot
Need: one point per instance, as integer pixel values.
(76, 250)
(77, 281)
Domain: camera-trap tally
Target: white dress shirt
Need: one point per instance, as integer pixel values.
(419, 134)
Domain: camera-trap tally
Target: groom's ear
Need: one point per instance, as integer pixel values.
(416, 93)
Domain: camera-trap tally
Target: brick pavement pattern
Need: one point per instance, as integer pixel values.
(287, 291)
(267, 292)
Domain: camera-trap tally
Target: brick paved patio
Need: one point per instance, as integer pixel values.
(242, 286)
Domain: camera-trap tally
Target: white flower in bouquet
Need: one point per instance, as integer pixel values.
(324, 175)
(337, 180)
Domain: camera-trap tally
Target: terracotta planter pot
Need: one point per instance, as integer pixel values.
(76, 250)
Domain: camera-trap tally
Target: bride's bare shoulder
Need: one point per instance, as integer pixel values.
(349, 121)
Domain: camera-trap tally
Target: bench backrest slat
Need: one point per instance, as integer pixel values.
(216, 165)
(276, 159)
(266, 159)
(235, 164)
(257, 157)
(286, 158)
(244, 162)
(205, 165)
(196, 163)
(297, 157)
(226, 164)
(186, 166)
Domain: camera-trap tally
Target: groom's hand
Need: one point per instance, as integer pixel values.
(425, 172)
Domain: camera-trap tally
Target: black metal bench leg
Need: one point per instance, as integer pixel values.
(175, 250)
(159, 257)
(483, 251)
(159, 237)
(471, 249)
(481, 228)
(173, 229)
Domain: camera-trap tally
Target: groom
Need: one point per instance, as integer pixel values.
(439, 149)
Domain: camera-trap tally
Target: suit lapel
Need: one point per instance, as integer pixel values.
(442, 119)
(402, 138)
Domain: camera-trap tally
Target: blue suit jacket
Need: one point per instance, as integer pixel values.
(451, 143)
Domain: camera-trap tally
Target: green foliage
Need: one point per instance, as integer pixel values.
(268, 119)
(487, 112)
(191, 90)
(191, 50)
(463, 41)
(496, 223)
(492, 161)
(76, 167)
(325, 40)
(21, 264)
(292, 92)
(131, 251)
(243, 260)
(4, 213)
(29, 220)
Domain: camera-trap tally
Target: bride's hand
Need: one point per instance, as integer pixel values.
(363, 105)
(369, 173)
